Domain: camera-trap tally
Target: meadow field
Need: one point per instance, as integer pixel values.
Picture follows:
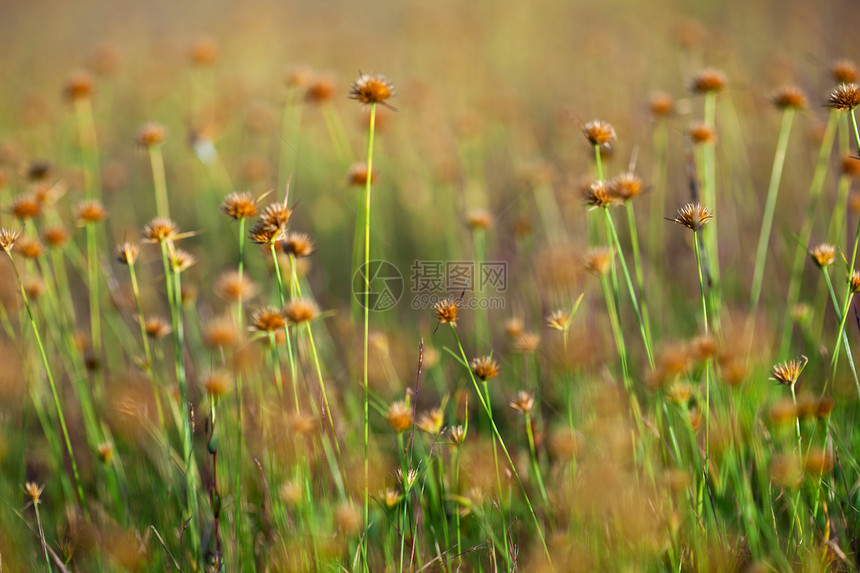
(429, 286)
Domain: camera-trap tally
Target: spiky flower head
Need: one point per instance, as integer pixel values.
(298, 245)
(458, 435)
(844, 71)
(268, 319)
(151, 134)
(558, 320)
(708, 80)
(126, 252)
(823, 254)
(845, 97)
(527, 342)
(239, 205)
(321, 89)
(598, 259)
(854, 282)
(694, 216)
(26, 206)
(79, 86)
(160, 229)
(90, 212)
(182, 260)
(34, 491)
(371, 89)
(446, 311)
(105, 452)
(479, 219)
(430, 422)
(391, 497)
(788, 372)
(30, 248)
(56, 236)
(661, 104)
(216, 383)
(8, 238)
(702, 133)
(300, 310)
(485, 367)
(790, 97)
(597, 195)
(598, 132)
(233, 287)
(399, 416)
(357, 175)
(626, 186)
(272, 225)
(523, 402)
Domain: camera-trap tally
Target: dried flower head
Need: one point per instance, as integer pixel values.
(446, 311)
(34, 491)
(596, 194)
(391, 497)
(56, 236)
(399, 416)
(26, 206)
(272, 225)
(300, 310)
(90, 212)
(526, 343)
(8, 238)
(523, 402)
(216, 383)
(79, 86)
(430, 422)
(598, 132)
(598, 259)
(347, 518)
(34, 287)
(151, 134)
(233, 287)
(854, 281)
(479, 219)
(844, 71)
(182, 260)
(203, 51)
(626, 186)
(788, 372)
(156, 327)
(558, 320)
(850, 166)
(702, 133)
(298, 245)
(824, 407)
(30, 248)
(407, 480)
(160, 229)
(845, 97)
(320, 90)
(372, 89)
(790, 97)
(661, 104)
(694, 216)
(220, 332)
(823, 254)
(268, 319)
(514, 327)
(485, 367)
(105, 452)
(708, 80)
(458, 435)
(357, 175)
(239, 205)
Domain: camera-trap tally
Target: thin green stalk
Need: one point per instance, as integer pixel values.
(620, 347)
(710, 240)
(637, 266)
(42, 535)
(535, 465)
(159, 181)
(145, 340)
(658, 181)
(237, 518)
(283, 300)
(93, 283)
(770, 205)
(54, 393)
(843, 338)
(496, 461)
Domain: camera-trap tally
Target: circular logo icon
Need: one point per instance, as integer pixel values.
(379, 283)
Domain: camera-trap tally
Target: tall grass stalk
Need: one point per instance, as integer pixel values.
(770, 206)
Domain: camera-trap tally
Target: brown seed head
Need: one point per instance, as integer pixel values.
(268, 319)
(558, 320)
(220, 333)
(845, 97)
(371, 89)
(818, 462)
(8, 238)
(298, 245)
(150, 134)
(298, 76)
(823, 254)
(524, 402)
(399, 416)
(597, 195)
(56, 236)
(29, 248)
(233, 287)
(446, 311)
(479, 219)
(485, 367)
(90, 212)
(708, 80)
(79, 86)
(105, 452)
(458, 435)
(320, 90)
(34, 287)
(850, 166)
(34, 491)
(514, 327)
(217, 383)
(39, 170)
(239, 205)
(526, 343)
(788, 372)
(203, 51)
(160, 229)
(694, 216)
(347, 518)
(430, 422)
(702, 133)
(844, 71)
(661, 104)
(824, 407)
(357, 175)
(156, 327)
(598, 132)
(854, 281)
(26, 206)
(626, 186)
(182, 260)
(704, 347)
(598, 259)
(789, 97)
(300, 310)
(390, 497)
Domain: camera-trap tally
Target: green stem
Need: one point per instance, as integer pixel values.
(159, 181)
(535, 465)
